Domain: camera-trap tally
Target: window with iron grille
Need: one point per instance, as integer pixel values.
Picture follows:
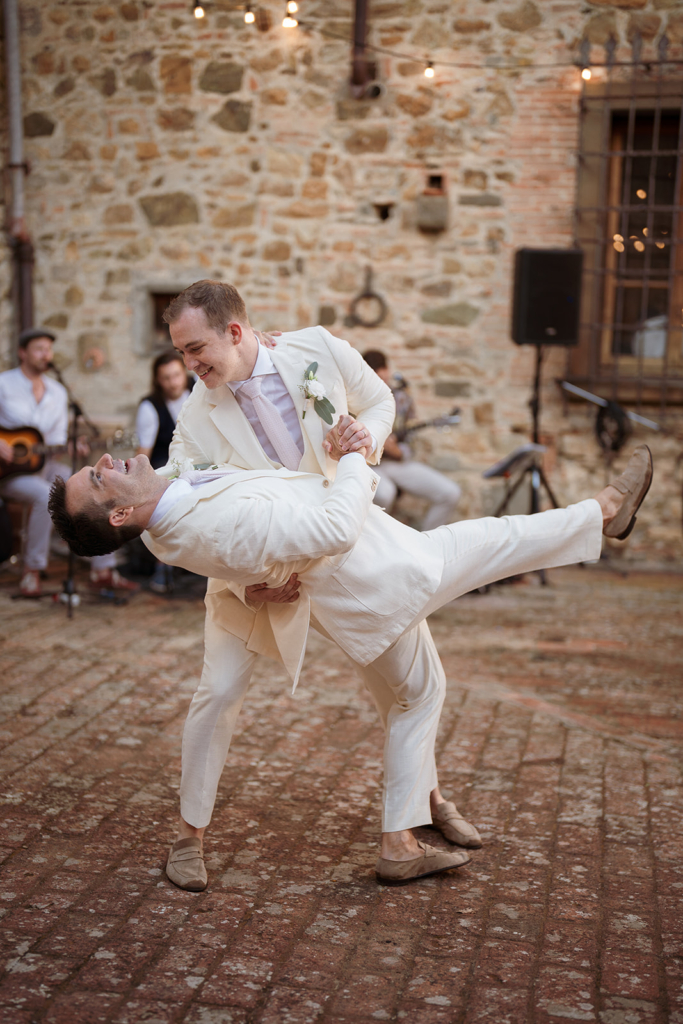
(629, 225)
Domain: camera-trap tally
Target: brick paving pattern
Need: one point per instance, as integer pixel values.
(561, 739)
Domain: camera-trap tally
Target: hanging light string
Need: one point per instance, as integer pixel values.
(521, 65)
(583, 62)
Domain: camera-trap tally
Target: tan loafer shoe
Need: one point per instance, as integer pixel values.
(634, 483)
(185, 865)
(432, 862)
(453, 827)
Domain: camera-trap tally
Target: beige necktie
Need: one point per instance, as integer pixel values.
(273, 424)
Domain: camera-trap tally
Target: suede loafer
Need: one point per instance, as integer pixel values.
(185, 865)
(432, 862)
(634, 483)
(453, 827)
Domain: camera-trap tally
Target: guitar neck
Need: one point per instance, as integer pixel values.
(50, 449)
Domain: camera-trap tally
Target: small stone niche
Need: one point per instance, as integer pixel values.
(432, 205)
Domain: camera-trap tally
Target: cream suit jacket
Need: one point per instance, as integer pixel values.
(211, 428)
(364, 575)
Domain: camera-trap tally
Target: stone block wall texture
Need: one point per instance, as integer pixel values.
(165, 149)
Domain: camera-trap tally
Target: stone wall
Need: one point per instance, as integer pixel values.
(164, 149)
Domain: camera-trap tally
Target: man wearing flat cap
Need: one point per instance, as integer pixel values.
(29, 398)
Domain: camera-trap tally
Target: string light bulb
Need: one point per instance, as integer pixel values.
(429, 70)
(199, 11)
(292, 7)
(586, 74)
(288, 21)
(249, 16)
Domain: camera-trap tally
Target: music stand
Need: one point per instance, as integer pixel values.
(522, 460)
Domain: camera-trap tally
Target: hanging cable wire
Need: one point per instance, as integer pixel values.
(521, 65)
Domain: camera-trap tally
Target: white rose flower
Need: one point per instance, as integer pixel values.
(315, 389)
(175, 467)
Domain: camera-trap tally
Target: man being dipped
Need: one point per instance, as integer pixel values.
(367, 581)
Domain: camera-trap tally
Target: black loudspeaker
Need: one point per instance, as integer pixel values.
(547, 296)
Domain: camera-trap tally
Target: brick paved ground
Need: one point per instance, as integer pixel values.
(561, 738)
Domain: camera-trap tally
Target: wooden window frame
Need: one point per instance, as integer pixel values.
(593, 364)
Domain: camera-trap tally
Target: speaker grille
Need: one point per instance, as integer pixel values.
(547, 295)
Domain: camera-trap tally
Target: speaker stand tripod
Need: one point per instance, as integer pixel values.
(528, 460)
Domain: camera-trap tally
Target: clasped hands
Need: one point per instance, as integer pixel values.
(347, 435)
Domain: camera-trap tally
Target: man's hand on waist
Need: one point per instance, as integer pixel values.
(286, 594)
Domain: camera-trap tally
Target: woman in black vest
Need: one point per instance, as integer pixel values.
(154, 425)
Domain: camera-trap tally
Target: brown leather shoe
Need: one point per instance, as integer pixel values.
(634, 483)
(432, 862)
(453, 827)
(185, 865)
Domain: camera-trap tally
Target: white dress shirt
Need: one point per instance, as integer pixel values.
(18, 406)
(272, 388)
(147, 418)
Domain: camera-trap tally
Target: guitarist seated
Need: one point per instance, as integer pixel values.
(398, 471)
(29, 398)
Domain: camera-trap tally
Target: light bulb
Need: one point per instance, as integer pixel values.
(249, 16)
(198, 11)
(586, 74)
(429, 71)
(288, 22)
(292, 7)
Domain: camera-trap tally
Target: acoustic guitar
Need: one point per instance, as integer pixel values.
(29, 450)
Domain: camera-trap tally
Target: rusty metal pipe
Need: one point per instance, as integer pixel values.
(19, 238)
(362, 71)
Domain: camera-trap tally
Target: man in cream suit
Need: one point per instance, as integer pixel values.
(225, 423)
(368, 582)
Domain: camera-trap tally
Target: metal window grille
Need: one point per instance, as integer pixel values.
(628, 221)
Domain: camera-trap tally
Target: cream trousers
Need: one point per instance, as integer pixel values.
(407, 681)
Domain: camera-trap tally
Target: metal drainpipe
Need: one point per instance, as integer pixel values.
(360, 72)
(19, 238)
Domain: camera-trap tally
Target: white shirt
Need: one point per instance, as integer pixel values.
(147, 418)
(272, 388)
(176, 490)
(18, 406)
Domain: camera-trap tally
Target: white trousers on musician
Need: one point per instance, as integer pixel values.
(406, 682)
(421, 480)
(33, 489)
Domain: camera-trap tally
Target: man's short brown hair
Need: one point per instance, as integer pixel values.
(221, 304)
(88, 532)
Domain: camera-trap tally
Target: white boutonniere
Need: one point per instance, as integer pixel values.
(174, 467)
(315, 392)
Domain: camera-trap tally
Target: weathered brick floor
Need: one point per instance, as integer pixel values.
(561, 738)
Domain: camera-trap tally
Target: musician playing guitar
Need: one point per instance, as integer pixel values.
(29, 398)
(398, 471)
